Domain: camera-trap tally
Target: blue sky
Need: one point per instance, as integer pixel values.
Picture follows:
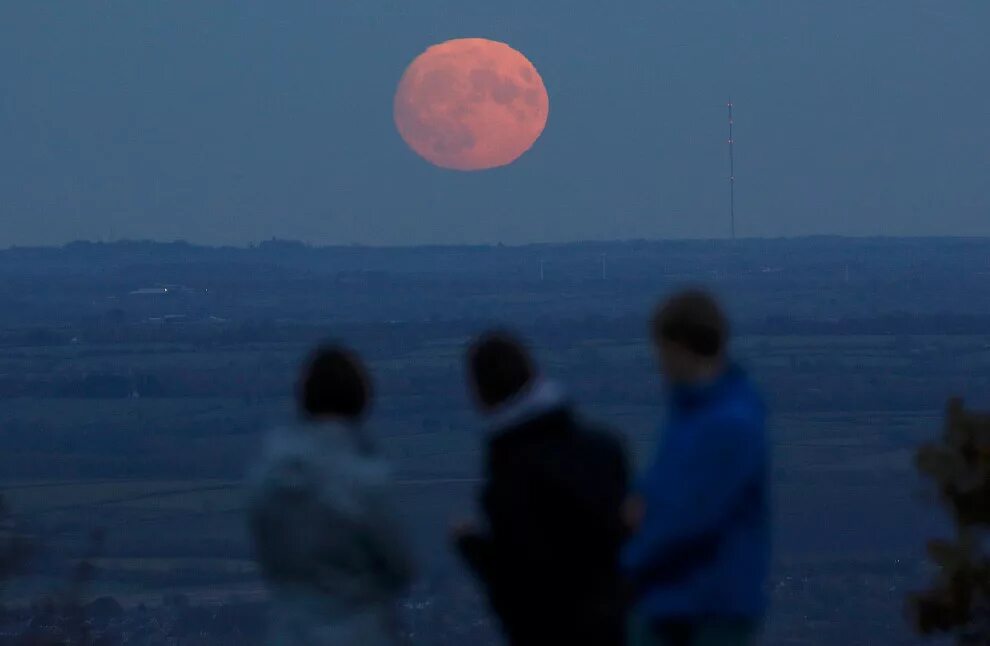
(232, 122)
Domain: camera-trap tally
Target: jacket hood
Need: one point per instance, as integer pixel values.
(540, 397)
(327, 459)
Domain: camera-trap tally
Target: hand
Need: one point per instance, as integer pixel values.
(462, 527)
(633, 512)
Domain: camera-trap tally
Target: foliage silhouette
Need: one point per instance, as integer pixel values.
(958, 603)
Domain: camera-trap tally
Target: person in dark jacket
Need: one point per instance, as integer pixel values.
(700, 555)
(325, 529)
(552, 498)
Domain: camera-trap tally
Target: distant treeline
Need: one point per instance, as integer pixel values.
(396, 337)
(895, 323)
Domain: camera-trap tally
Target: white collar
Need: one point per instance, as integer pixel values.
(540, 397)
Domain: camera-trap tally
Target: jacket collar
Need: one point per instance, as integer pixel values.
(540, 397)
(310, 438)
(691, 396)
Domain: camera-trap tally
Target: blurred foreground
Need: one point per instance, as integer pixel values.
(135, 412)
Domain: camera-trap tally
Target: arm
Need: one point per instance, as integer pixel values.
(475, 544)
(499, 502)
(475, 548)
(387, 543)
(689, 493)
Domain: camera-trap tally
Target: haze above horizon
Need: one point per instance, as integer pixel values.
(173, 121)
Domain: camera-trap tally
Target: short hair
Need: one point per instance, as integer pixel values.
(500, 366)
(693, 320)
(334, 383)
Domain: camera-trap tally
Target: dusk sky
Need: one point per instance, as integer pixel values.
(233, 122)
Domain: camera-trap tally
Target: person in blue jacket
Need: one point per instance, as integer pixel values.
(698, 558)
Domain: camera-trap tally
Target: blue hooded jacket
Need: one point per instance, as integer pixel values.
(703, 549)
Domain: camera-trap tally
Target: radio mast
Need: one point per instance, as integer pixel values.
(732, 177)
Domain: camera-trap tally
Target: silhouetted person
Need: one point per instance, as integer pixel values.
(326, 536)
(548, 551)
(699, 557)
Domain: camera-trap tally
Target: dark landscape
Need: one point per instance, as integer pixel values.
(137, 379)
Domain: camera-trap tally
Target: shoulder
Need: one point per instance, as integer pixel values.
(324, 454)
(562, 434)
(742, 408)
(601, 444)
(286, 452)
(531, 432)
(731, 425)
(601, 438)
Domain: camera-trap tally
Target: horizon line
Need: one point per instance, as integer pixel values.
(255, 245)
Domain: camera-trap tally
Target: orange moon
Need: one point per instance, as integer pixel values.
(471, 104)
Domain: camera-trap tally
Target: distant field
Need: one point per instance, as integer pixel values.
(193, 495)
(220, 566)
(162, 476)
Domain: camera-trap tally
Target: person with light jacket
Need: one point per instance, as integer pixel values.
(326, 536)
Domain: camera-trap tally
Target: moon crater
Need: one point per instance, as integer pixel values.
(471, 104)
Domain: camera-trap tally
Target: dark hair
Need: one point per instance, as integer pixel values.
(334, 383)
(500, 366)
(693, 320)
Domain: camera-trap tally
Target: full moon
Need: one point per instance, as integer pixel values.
(471, 104)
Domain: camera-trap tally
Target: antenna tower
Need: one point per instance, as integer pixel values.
(732, 177)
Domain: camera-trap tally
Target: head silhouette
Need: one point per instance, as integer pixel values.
(499, 368)
(691, 335)
(334, 384)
